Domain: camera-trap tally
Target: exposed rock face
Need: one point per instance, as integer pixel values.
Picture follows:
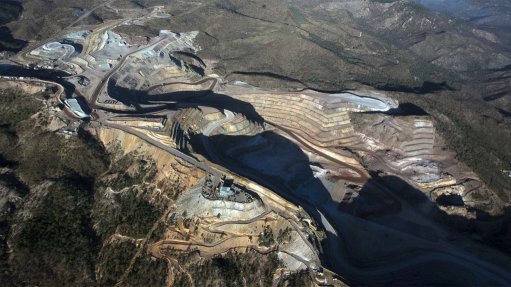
(410, 147)
(170, 168)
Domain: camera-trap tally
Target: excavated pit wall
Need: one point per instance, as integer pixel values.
(320, 118)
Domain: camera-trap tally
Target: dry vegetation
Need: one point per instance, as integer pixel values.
(67, 200)
(52, 190)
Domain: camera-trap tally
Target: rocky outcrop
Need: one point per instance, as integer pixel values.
(169, 167)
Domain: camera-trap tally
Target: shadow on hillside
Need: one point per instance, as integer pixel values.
(142, 101)
(8, 42)
(426, 88)
(280, 166)
(375, 203)
(283, 167)
(280, 160)
(9, 12)
(43, 74)
(488, 227)
(407, 109)
(375, 206)
(504, 113)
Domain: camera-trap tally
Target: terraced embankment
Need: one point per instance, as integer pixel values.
(421, 144)
(329, 127)
(322, 119)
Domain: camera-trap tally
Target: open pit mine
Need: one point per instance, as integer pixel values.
(348, 187)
